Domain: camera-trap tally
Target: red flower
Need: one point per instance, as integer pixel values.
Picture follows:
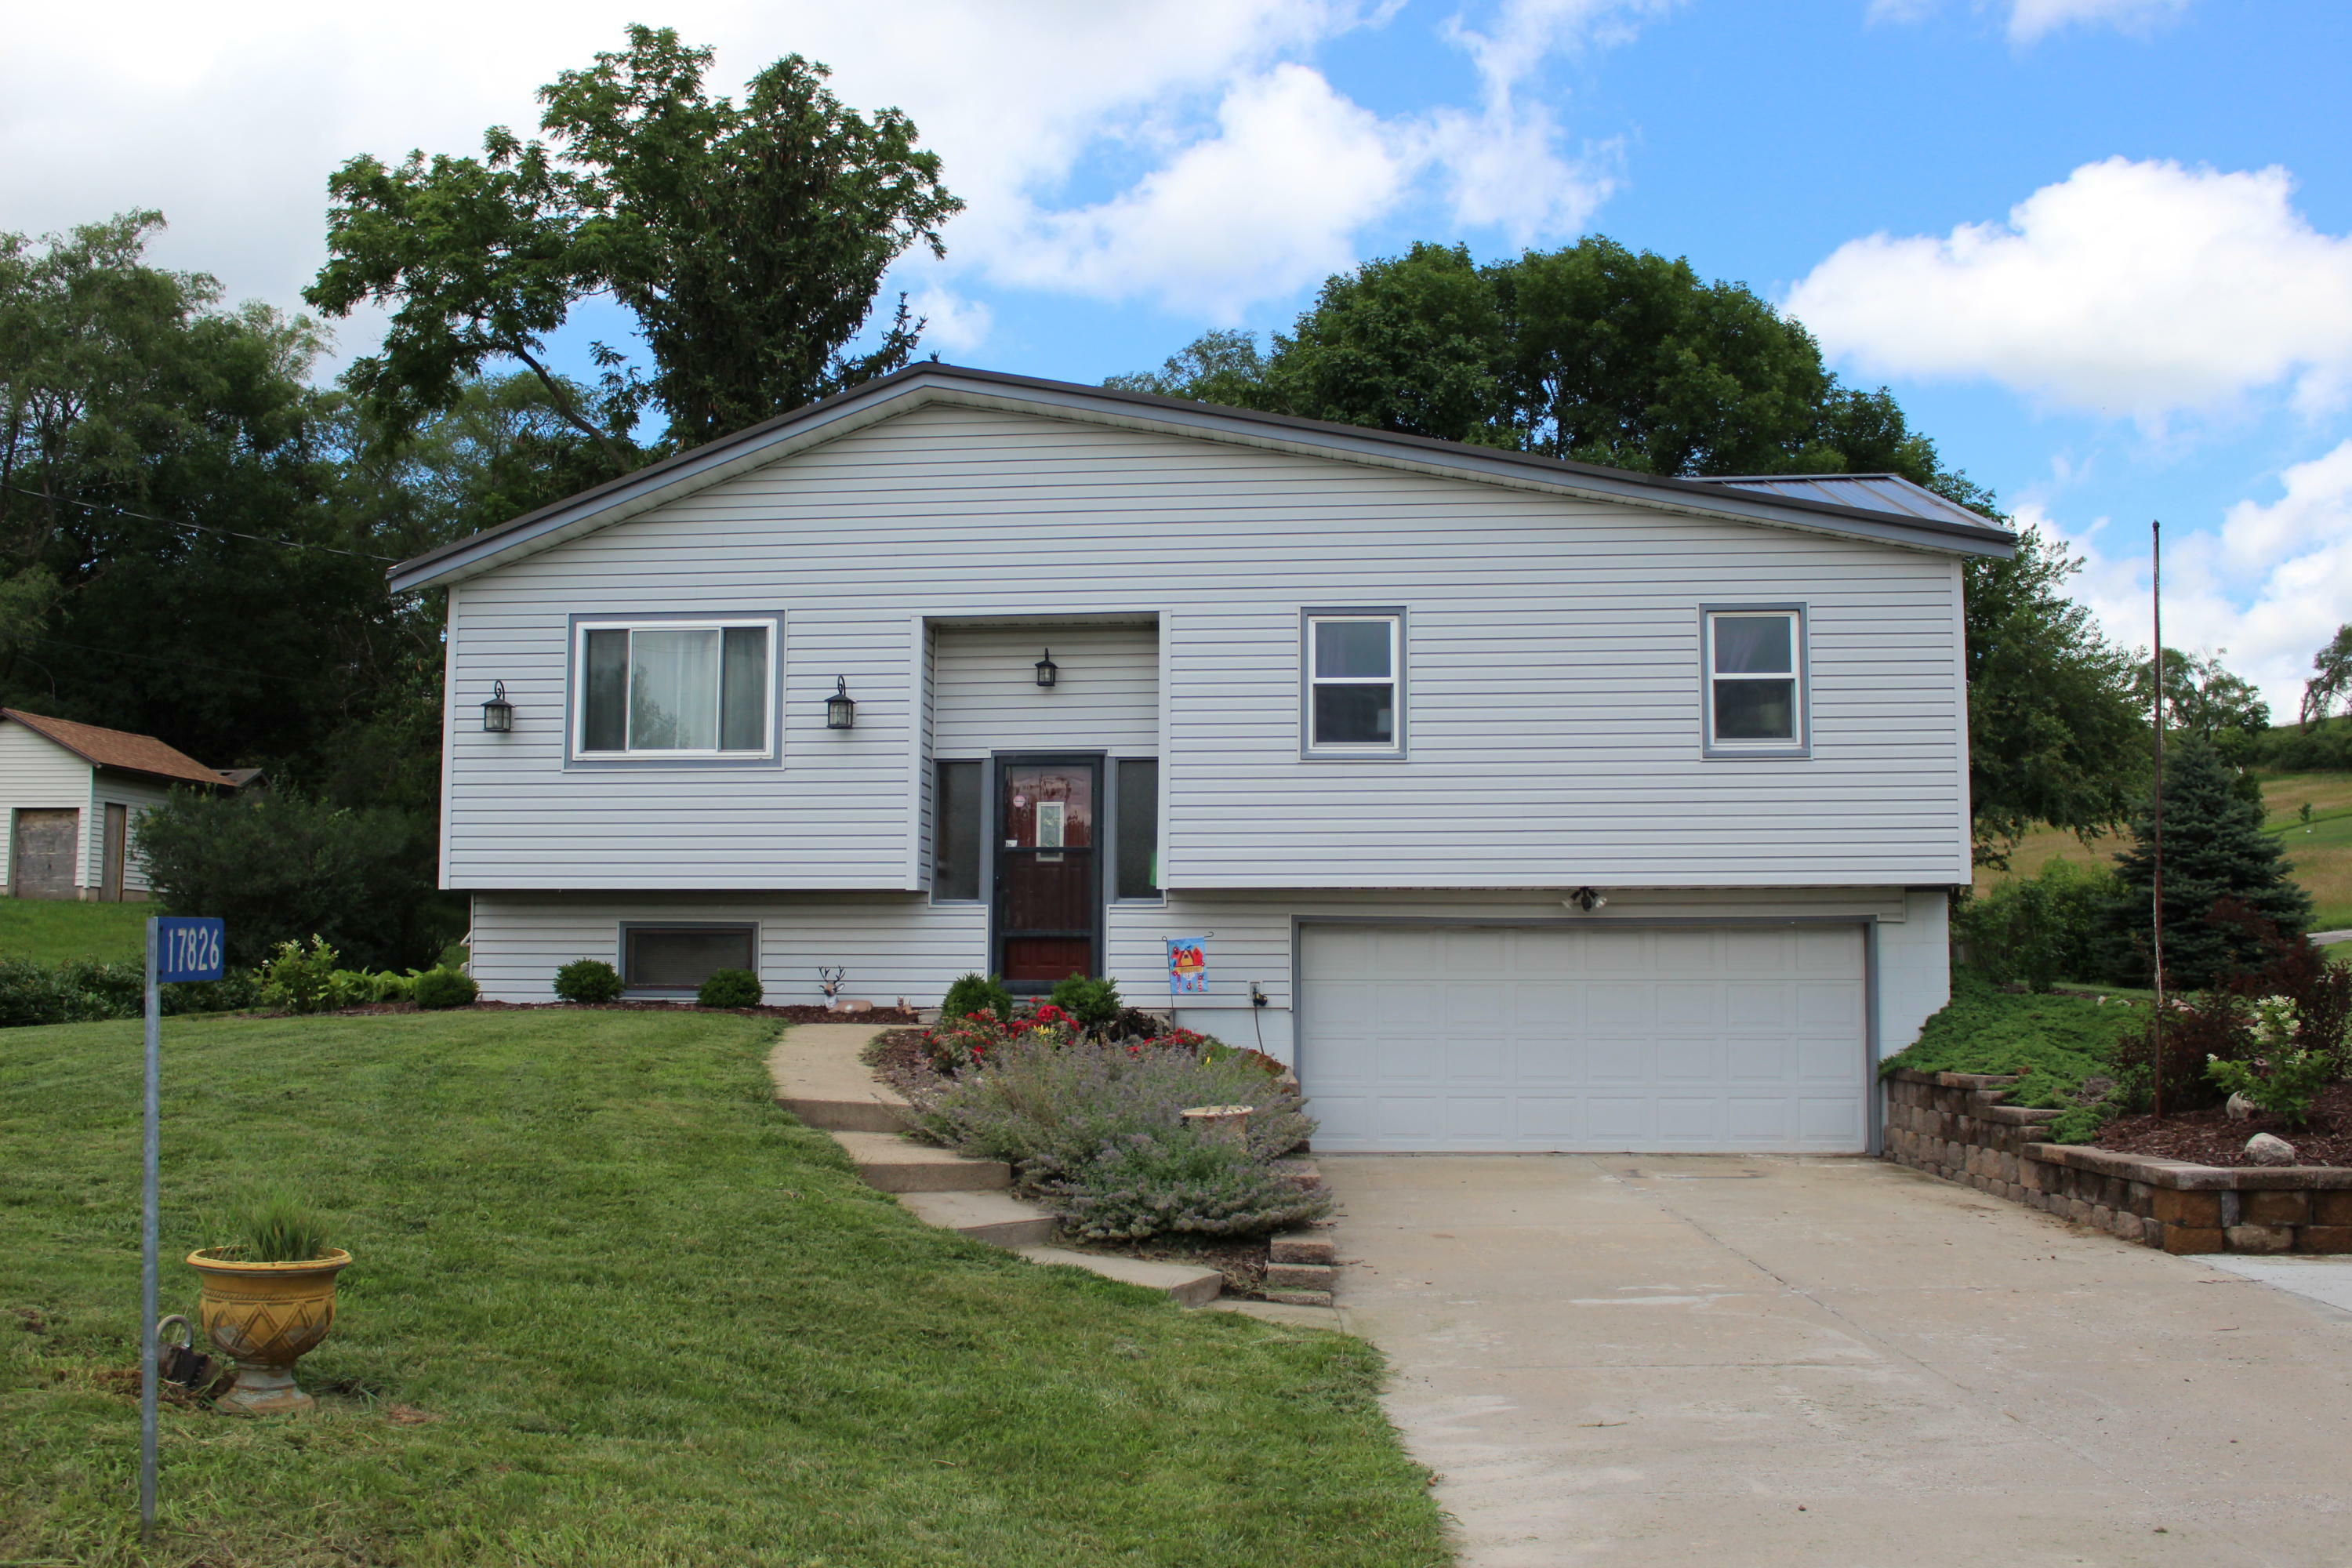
(1049, 1014)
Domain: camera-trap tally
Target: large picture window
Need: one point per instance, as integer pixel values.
(675, 689)
(1755, 664)
(1355, 682)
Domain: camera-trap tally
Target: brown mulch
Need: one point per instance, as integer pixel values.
(793, 1014)
(898, 1055)
(2211, 1138)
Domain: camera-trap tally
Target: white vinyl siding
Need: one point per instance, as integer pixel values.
(985, 696)
(36, 773)
(138, 795)
(1554, 736)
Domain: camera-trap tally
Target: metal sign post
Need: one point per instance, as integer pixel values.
(177, 950)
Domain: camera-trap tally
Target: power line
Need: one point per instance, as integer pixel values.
(205, 528)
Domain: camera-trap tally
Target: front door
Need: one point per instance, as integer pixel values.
(118, 840)
(1049, 903)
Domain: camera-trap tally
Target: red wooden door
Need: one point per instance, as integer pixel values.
(1048, 880)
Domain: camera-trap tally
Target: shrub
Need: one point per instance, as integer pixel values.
(2282, 1085)
(278, 868)
(1094, 1002)
(1154, 1184)
(307, 979)
(2292, 1001)
(2038, 930)
(445, 988)
(729, 988)
(957, 1045)
(78, 992)
(976, 993)
(1047, 1105)
(588, 982)
(2057, 1043)
(1135, 1024)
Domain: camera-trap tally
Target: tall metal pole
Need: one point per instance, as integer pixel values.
(150, 1208)
(2156, 592)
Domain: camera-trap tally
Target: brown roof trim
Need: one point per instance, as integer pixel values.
(120, 748)
(1698, 494)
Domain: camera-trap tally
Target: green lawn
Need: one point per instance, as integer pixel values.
(631, 1314)
(51, 931)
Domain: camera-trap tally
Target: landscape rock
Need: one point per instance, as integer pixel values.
(2239, 1109)
(2263, 1148)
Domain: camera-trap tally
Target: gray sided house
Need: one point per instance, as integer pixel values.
(73, 793)
(1521, 804)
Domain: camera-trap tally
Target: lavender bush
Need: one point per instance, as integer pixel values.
(1149, 1183)
(1048, 1107)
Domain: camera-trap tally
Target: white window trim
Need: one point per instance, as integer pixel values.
(1798, 743)
(771, 719)
(1309, 680)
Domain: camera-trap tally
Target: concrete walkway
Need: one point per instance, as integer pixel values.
(1841, 1363)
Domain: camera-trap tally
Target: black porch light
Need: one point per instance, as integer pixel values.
(1047, 669)
(841, 709)
(498, 713)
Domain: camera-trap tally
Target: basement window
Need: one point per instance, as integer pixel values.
(667, 959)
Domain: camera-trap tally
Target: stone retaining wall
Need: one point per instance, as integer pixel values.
(1955, 1126)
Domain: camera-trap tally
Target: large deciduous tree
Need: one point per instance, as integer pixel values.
(2330, 685)
(747, 241)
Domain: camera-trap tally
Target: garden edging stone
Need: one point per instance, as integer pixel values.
(1955, 1126)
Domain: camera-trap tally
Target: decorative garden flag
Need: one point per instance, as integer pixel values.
(1188, 966)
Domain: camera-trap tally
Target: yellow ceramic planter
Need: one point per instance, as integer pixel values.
(265, 1316)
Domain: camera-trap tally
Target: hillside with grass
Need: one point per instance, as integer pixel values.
(59, 930)
(2319, 850)
(611, 1307)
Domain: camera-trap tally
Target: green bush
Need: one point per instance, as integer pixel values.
(2284, 1086)
(2036, 931)
(445, 988)
(1095, 1003)
(587, 982)
(1158, 1184)
(79, 991)
(2326, 747)
(977, 994)
(279, 868)
(309, 980)
(729, 988)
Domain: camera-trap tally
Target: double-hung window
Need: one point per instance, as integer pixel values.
(1755, 680)
(682, 689)
(1355, 682)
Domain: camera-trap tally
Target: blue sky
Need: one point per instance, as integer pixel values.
(2097, 247)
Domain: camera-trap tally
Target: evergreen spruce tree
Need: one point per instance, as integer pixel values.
(2214, 847)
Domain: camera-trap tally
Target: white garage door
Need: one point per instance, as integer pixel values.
(1743, 1039)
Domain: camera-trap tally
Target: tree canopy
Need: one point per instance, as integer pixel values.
(747, 241)
(2330, 685)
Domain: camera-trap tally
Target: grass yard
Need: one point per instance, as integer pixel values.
(611, 1307)
(53, 930)
(2320, 855)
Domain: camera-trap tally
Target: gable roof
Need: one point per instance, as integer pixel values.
(931, 382)
(120, 748)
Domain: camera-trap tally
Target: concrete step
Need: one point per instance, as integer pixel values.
(895, 1164)
(1299, 1276)
(1295, 1315)
(993, 1218)
(1186, 1284)
(1300, 1247)
(820, 1078)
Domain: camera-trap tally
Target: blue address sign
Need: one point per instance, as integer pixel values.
(188, 948)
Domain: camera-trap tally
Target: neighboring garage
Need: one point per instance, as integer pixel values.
(1593, 1037)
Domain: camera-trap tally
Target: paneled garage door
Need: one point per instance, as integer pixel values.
(1686, 1039)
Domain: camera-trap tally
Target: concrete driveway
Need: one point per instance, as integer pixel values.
(1628, 1359)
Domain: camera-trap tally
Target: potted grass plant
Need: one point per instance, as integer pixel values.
(268, 1299)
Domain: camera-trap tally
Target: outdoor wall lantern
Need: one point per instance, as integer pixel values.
(1585, 898)
(498, 713)
(840, 709)
(1047, 669)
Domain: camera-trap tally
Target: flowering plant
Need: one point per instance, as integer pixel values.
(957, 1045)
(2283, 1084)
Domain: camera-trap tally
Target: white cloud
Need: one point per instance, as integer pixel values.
(2138, 288)
(1244, 169)
(2271, 584)
(1268, 205)
(2031, 20)
(953, 324)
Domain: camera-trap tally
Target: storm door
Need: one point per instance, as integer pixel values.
(1048, 904)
